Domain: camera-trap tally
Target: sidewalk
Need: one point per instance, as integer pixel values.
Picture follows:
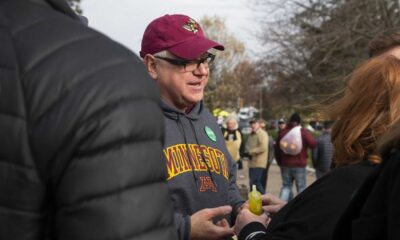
(274, 183)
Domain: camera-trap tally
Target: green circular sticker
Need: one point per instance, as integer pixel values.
(210, 134)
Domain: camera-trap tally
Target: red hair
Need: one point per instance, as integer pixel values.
(370, 105)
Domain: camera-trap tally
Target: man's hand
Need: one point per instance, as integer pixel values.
(202, 226)
(272, 204)
(245, 217)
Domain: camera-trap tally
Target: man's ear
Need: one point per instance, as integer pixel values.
(150, 63)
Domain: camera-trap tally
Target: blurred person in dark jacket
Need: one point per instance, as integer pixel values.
(322, 154)
(80, 154)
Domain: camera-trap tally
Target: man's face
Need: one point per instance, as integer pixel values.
(231, 124)
(255, 126)
(180, 86)
(281, 125)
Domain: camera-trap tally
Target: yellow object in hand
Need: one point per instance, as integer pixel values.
(255, 201)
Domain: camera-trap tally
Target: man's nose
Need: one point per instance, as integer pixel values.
(201, 69)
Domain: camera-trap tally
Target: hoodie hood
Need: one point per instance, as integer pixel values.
(172, 112)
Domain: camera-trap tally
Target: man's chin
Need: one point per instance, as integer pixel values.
(194, 100)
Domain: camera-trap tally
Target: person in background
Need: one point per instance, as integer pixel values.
(257, 147)
(233, 138)
(366, 205)
(322, 155)
(293, 167)
(281, 125)
(201, 173)
(81, 132)
(368, 108)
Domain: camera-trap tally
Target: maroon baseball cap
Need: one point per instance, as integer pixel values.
(179, 34)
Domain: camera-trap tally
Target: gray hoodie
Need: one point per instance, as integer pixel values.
(201, 173)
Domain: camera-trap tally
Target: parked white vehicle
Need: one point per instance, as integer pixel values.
(247, 113)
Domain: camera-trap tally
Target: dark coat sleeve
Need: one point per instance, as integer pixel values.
(86, 142)
(253, 231)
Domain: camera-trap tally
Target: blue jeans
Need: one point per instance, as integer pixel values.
(297, 174)
(255, 175)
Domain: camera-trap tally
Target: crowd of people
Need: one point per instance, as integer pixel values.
(101, 144)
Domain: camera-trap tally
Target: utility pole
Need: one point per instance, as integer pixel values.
(260, 104)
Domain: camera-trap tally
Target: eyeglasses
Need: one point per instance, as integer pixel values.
(190, 66)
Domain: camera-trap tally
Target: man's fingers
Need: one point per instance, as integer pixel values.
(272, 208)
(270, 199)
(218, 211)
(223, 223)
(223, 232)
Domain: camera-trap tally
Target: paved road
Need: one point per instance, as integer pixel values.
(274, 183)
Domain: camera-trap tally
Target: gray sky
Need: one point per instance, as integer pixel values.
(126, 20)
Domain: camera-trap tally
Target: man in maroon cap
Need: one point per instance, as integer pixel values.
(201, 173)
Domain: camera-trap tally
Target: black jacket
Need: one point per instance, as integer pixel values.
(322, 155)
(313, 214)
(81, 132)
(374, 212)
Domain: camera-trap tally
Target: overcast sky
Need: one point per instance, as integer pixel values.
(126, 20)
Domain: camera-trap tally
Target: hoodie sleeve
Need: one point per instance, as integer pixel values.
(235, 199)
(182, 224)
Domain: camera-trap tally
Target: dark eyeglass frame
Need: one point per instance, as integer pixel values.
(207, 60)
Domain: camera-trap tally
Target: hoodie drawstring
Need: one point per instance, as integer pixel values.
(202, 153)
(180, 125)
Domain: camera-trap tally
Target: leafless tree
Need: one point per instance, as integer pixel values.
(315, 44)
(233, 74)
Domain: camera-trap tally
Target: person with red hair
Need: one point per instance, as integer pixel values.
(368, 107)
